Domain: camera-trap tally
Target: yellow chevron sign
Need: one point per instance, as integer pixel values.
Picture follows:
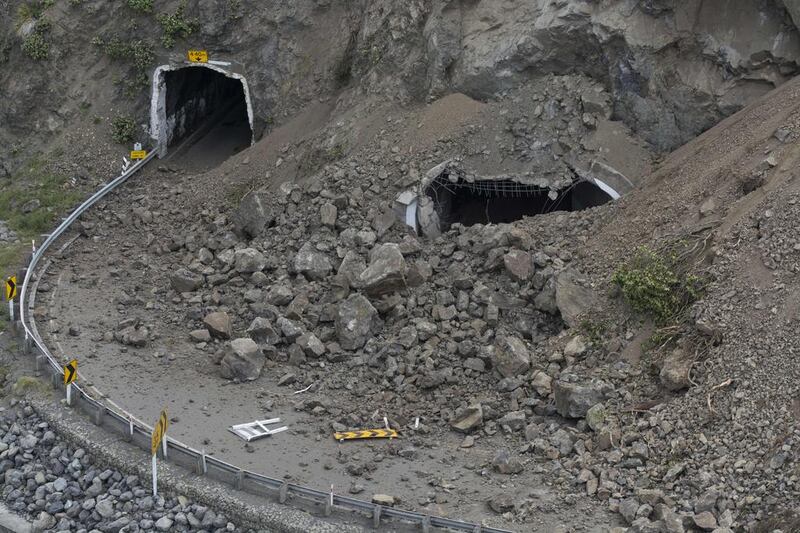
(159, 431)
(70, 371)
(366, 434)
(11, 288)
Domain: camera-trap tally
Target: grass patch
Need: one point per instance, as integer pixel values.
(139, 54)
(658, 284)
(176, 25)
(123, 129)
(28, 384)
(35, 44)
(142, 6)
(34, 182)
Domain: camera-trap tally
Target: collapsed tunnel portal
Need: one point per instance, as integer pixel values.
(203, 111)
(504, 201)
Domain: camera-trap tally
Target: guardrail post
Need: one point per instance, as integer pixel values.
(284, 492)
(98, 416)
(426, 524)
(54, 380)
(239, 483)
(478, 529)
(376, 516)
(129, 433)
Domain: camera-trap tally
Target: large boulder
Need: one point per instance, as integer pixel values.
(183, 280)
(243, 360)
(511, 357)
(674, 373)
(519, 265)
(253, 216)
(574, 400)
(573, 299)
(312, 264)
(356, 321)
(249, 260)
(386, 272)
(262, 332)
(468, 419)
(218, 325)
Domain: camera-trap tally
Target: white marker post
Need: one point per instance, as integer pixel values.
(69, 394)
(155, 477)
(11, 310)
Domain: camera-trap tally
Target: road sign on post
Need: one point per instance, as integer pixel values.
(11, 294)
(159, 433)
(70, 375)
(197, 56)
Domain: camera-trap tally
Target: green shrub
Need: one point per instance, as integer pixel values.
(123, 129)
(175, 24)
(143, 6)
(139, 54)
(35, 44)
(653, 283)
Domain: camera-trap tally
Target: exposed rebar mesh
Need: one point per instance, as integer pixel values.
(503, 201)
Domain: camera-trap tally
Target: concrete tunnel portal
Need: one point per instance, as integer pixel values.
(201, 113)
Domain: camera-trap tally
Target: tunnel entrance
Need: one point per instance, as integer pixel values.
(200, 113)
(503, 201)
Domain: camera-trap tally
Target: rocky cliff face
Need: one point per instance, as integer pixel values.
(674, 67)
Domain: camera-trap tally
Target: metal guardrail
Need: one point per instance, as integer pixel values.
(138, 432)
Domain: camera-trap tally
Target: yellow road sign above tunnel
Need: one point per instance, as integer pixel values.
(366, 434)
(11, 288)
(159, 431)
(197, 56)
(70, 372)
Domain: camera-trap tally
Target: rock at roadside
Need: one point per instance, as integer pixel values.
(356, 321)
(183, 280)
(262, 332)
(505, 464)
(314, 265)
(253, 216)
(249, 260)
(468, 419)
(674, 373)
(502, 503)
(511, 357)
(574, 400)
(218, 325)
(383, 499)
(386, 272)
(243, 360)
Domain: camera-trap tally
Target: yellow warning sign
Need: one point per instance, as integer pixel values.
(11, 288)
(198, 56)
(70, 372)
(366, 434)
(138, 154)
(159, 431)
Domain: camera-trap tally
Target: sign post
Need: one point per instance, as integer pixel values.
(70, 375)
(159, 433)
(137, 152)
(11, 294)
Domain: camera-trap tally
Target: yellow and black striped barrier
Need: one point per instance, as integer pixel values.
(366, 434)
